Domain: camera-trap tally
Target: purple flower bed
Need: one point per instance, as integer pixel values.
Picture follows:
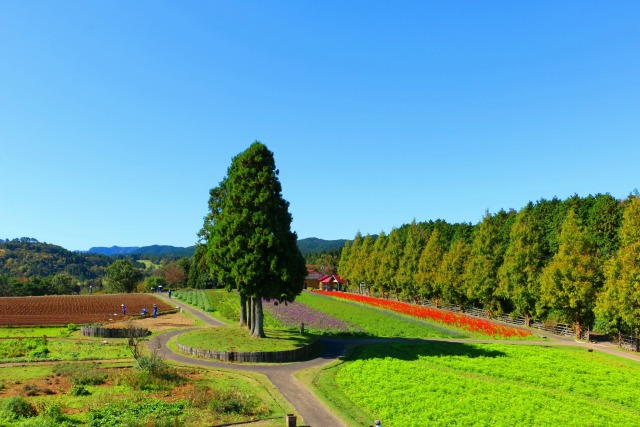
(295, 313)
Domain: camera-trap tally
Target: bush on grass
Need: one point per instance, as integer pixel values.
(18, 407)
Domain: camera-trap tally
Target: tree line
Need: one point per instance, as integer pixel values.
(575, 260)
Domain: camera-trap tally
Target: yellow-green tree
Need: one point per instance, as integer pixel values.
(373, 267)
(426, 277)
(519, 275)
(408, 265)
(487, 251)
(619, 301)
(388, 268)
(451, 273)
(571, 280)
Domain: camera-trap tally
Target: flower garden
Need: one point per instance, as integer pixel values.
(462, 321)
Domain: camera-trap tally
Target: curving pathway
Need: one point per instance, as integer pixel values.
(312, 410)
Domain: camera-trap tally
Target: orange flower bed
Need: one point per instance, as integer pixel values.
(457, 320)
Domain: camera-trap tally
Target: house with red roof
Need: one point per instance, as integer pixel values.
(332, 283)
(312, 281)
(323, 282)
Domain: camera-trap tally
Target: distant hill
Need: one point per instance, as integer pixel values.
(27, 258)
(162, 250)
(307, 246)
(312, 245)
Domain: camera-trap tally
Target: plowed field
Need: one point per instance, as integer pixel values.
(78, 309)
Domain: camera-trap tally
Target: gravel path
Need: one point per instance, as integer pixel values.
(308, 407)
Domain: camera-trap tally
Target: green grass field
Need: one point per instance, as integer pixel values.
(235, 338)
(443, 384)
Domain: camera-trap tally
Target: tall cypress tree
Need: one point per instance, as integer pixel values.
(570, 282)
(249, 243)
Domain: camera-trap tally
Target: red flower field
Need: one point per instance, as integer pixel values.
(471, 324)
(78, 309)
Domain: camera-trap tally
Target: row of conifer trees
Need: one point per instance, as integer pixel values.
(575, 261)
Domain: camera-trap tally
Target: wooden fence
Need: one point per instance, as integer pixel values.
(302, 353)
(551, 327)
(97, 331)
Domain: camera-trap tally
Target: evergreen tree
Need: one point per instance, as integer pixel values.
(619, 302)
(361, 273)
(451, 274)
(250, 245)
(485, 259)
(408, 265)
(343, 265)
(373, 267)
(570, 282)
(389, 263)
(354, 258)
(519, 275)
(426, 277)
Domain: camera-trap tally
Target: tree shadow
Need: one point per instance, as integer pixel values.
(410, 350)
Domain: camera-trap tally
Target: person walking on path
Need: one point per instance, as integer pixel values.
(169, 293)
(155, 310)
(124, 309)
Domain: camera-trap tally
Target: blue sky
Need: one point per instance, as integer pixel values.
(116, 118)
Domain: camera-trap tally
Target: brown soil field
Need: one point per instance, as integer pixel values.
(78, 309)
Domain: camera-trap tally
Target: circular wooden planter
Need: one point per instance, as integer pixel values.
(299, 354)
(97, 331)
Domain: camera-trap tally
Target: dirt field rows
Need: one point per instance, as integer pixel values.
(78, 309)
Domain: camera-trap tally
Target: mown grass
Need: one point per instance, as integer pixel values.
(376, 322)
(443, 384)
(235, 338)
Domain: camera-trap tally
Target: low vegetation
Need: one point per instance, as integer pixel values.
(443, 384)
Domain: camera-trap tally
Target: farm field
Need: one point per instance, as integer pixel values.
(78, 309)
(445, 384)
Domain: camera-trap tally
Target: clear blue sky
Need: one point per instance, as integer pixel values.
(116, 118)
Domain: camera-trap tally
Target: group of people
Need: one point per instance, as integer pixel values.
(144, 311)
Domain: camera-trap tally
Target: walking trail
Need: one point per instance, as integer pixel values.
(307, 405)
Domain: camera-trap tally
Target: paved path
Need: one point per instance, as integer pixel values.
(308, 407)
(306, 404)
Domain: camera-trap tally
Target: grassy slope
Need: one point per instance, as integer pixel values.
(377, 322)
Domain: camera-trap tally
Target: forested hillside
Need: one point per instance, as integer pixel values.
(576, 261)
(26, 257)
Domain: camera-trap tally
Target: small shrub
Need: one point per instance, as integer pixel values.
(71, 327)
(39, 352)
(236, 402)
(18, 407)
(78, 390)
(30, 390)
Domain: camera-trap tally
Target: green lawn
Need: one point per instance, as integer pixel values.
(235, 338)
(441, 384)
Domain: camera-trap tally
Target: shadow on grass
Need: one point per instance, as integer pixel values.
(411, 350)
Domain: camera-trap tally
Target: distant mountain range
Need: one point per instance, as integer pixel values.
(307, 246)
(161, 250)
